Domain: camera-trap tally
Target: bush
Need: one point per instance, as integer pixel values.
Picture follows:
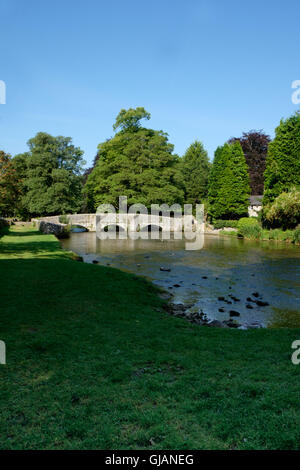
(3, 223)
(284, 212)
(249, 227)
(219, 224)
(296, 235)
(63, 219)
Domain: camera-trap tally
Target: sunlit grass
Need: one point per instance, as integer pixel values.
(94, 362)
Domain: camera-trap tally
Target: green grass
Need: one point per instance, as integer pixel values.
(93, 362)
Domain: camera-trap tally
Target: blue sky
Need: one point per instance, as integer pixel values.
(205, 70)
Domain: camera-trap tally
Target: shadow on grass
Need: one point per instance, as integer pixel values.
(32, 247)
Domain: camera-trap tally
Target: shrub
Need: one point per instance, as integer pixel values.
(65, 233)
(284, 212)
(63, 219)
(219, 224)
(249, 227)
(296, 235)
(3, 223)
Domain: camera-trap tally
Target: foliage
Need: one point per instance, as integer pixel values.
(296, 235)
(3, 223)
(64, 219)
(130, 119)
(195, 167)
(84, 358)
(10, 186)
(219, 224)
(255, 147)
(53, 181)
(283, 161)
(249, 228)
(229, 188)
(138, 163)
(284, 212)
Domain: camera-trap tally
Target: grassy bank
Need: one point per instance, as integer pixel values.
(94, 362)
(251, 229)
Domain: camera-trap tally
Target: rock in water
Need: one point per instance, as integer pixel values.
(233, 313)
(260, 303)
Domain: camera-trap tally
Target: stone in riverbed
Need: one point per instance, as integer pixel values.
(233, 313)
(260, 303)
(95, 261)
(249, 307)
(165, 270)
(232, 323)
(216, 324)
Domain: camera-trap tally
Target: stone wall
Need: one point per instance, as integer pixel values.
(85, 220)
(46, 227)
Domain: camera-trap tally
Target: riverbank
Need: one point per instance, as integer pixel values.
(93, 361)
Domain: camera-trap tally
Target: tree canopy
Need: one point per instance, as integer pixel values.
(130, 119)
(229, 188)
(255, 147)
(10, 186)
(52, 175)
(138, 163)
(283, 159)
(195, 171)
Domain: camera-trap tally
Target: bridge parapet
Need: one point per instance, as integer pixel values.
(128, 222)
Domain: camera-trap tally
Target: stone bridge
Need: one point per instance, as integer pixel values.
(125, 222)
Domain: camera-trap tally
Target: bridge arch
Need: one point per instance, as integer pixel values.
(151, 228)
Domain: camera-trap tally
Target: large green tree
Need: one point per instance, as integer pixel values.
(10, 186)
(138, 163)
(283, 159)
(195, 171)
(229, 187)
(52, 175)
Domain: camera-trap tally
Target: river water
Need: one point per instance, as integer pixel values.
(225, 267)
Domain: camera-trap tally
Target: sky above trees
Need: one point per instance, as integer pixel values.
(206, 70)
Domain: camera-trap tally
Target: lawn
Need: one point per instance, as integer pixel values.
(94, 362)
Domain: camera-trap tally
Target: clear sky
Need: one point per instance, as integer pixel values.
(204, 69)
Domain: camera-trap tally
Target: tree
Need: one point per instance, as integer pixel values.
(215, 178)
(283, 159)
(10, 186)
(255, 147)
(195, 171)
(284, 211)
(138, 163)
(53, 180)
(130, 119)
(229, 188)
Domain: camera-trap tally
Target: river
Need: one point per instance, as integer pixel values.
(225, 267)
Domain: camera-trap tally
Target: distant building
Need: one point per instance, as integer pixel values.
(255, 206)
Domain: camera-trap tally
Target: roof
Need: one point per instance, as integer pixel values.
(256, 200)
